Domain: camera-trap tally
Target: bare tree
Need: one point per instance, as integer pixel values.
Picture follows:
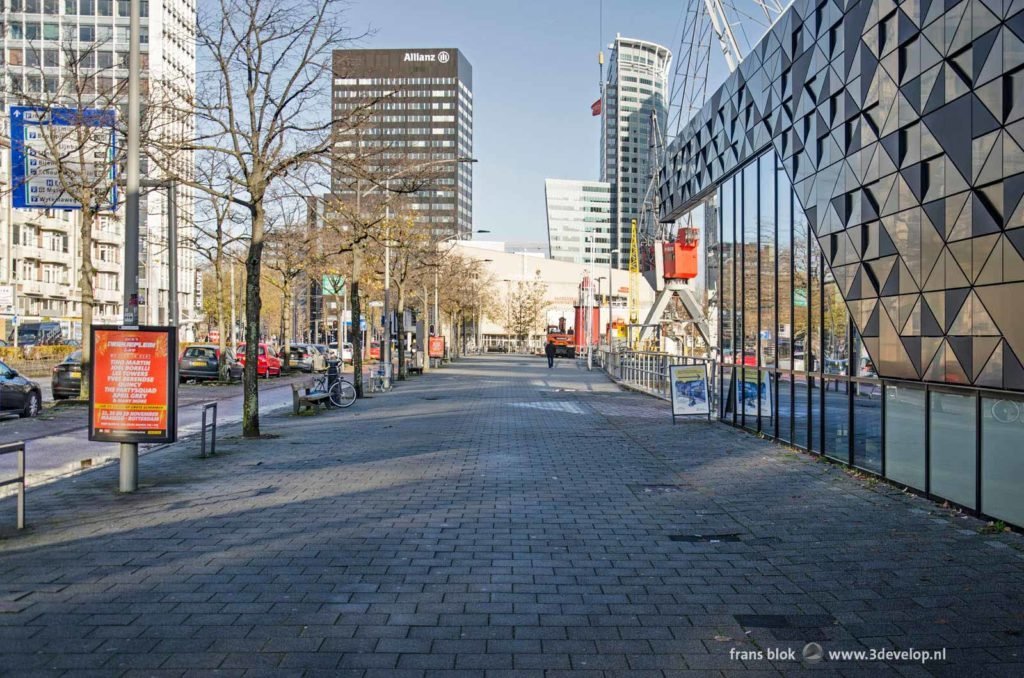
(261, 107)
(524, 309)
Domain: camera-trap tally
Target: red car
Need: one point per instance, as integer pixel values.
(268, 364)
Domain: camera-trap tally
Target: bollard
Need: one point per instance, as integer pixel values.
(11, 448)
(202, 433)
(333, 376)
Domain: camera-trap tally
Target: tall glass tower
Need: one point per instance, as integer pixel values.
(636, 88)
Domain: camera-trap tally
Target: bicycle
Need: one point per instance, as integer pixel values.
(341, 394)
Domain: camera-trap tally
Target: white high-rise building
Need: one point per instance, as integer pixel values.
(40, 250)
(636, 86)
(579, 220)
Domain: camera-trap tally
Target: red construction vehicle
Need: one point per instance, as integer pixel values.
(565, 342)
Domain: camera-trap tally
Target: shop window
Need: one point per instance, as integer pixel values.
(953, 449)
(1002, 459)
(905, 435)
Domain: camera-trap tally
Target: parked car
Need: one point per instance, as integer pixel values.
(307, 357)
(19, 395)
(374, 350)
(66, 380)
(346, 351)
(204, 361)
(268, 364)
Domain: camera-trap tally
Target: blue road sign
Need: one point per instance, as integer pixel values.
(34, 180)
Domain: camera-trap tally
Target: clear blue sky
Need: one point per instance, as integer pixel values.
(535, 75)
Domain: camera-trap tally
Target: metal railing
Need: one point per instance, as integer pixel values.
(11, 448)
(202, 432)
(648, 371)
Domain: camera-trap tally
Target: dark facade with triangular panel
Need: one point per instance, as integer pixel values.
(900, 128)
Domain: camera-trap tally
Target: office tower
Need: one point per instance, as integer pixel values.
(579, 220)
(41, 247)
(636, 89)
(421, 121)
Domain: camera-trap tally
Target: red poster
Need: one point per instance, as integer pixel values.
(132, 385)
(435, 347)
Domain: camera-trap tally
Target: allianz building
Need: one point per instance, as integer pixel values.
(864, 168)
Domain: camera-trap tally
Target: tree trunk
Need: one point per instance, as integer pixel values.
(253, 306)
(400, 312)
(88, 297)
(357, 334)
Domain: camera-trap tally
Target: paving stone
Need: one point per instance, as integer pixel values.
(477, 522)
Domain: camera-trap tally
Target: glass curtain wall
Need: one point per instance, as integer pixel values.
(792, 366)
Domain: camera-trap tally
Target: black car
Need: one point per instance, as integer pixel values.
(66, 381)
(19, 395)
(203, 361)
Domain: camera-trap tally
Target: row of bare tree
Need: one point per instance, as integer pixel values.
(249, 144)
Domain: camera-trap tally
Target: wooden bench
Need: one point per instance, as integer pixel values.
(302, 396)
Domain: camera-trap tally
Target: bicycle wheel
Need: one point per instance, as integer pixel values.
(343, 393)
(1005, 411)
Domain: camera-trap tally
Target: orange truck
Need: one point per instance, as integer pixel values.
(565, 343)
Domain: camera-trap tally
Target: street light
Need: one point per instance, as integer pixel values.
(387, 253)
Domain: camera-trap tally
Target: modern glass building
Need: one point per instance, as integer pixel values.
(579, 220)
(635, 92)
(867, 165)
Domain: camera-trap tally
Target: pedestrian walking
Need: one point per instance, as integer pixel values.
(549, 351)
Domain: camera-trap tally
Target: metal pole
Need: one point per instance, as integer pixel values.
(172, 253)
(129, 452)
(234, 335)
(386, 352)
(437, 314)
(609, 306)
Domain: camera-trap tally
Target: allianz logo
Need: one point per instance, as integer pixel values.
(440, 57)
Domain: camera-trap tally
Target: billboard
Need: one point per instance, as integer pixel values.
(435, 347)
(83, 139)
(133, 385)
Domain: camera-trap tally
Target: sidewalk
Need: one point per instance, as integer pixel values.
(496, 518)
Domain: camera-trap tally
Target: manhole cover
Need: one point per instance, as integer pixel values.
(704, 538)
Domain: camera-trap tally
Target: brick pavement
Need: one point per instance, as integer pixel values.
(498, 518)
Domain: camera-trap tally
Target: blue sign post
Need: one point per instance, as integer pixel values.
(35, 181)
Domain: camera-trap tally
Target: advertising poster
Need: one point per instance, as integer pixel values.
(689, 384)
(132, 386)
(751, 390)
(435, 347)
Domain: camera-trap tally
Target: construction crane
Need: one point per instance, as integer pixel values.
(673, 249)
(634, 275)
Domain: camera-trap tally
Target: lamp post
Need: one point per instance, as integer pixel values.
(610, 254)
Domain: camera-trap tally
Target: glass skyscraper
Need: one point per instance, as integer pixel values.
(579, 220)
(636, 89)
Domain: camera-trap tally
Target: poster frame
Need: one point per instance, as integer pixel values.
(672, 379)
(129, 436)
(432, 341)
